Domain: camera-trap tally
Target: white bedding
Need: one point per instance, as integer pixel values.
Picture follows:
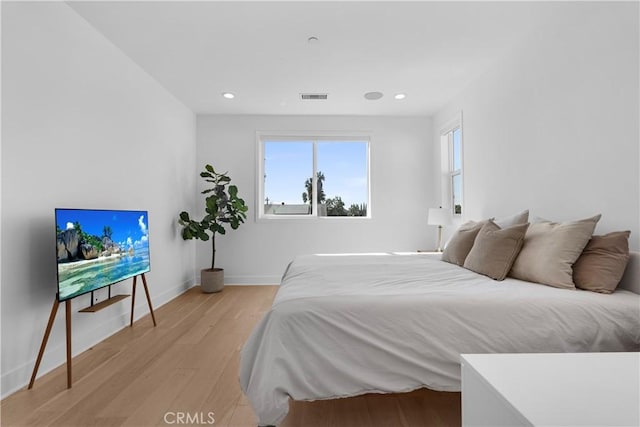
(347, 325)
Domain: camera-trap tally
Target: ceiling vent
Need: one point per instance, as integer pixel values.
(313, 96)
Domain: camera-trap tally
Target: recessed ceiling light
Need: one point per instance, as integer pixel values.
(400, 96)
(228, 95)
(372, 96)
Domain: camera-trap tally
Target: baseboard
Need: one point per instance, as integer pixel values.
(55, 355)
(251, 280)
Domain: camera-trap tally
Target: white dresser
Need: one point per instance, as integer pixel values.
(564, 389)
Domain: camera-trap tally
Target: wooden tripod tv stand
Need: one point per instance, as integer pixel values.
(91, 309)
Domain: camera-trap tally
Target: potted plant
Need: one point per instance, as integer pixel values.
(223, 207)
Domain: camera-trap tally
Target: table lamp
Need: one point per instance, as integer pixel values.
(439, 217)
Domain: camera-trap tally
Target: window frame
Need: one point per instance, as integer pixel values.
(314, 137)
(448, 173)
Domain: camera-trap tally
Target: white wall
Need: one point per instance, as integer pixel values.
(401, 153)
(554, 125)
(83, 126)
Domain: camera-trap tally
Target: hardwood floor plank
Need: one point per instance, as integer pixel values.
(108, 421)
(309, 414)
(384, 410)
(217, 306)
(90, 395)
(225, 395)
(26, 401)
(243, 416)
(448, 407)
(156, 406)
(189, 363)
(350, 412)
(143, 384)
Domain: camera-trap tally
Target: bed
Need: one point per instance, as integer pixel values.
(345, 325)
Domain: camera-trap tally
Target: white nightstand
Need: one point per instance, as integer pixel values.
(561, 389)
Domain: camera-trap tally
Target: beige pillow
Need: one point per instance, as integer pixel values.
(602, 263)
(461, 242)
(495, 249)
(550, 249)
(519, 218)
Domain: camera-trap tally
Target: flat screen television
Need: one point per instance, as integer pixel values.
(97, 248)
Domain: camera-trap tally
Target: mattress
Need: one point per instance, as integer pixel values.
(345, 325)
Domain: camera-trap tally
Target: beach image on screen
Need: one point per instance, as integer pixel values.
(96, 248)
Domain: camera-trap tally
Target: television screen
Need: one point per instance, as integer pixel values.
(97, 248)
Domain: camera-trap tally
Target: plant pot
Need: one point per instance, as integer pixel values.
(212, 280)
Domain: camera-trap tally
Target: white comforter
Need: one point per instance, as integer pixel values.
(347, 325)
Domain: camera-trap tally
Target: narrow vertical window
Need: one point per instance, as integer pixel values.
(452, 167)
(456, 171)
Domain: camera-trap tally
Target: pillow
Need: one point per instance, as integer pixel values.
(461, 242)
(519, 218)
(602, 263)
(550, 249)
(495, 249)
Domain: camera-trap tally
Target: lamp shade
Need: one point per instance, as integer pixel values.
(439, 216)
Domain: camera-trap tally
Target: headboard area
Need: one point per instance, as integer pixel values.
(631, 278)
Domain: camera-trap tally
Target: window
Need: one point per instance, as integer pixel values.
(456, 170)
(304, 177)
(451, 146)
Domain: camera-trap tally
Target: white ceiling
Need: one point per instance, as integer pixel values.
(259, 50)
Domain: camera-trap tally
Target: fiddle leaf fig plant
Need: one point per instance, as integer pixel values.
(223, 208)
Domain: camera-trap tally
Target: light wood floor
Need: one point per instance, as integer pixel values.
(189, 363)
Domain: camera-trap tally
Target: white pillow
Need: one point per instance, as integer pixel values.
(517, 219)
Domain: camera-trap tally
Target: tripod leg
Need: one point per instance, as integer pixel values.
(52, 317)
(133, 297)
(68, 311)
(146, 290)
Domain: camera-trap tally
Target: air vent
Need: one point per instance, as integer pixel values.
(313, 96)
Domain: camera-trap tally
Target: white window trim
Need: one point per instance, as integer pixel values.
(447, 172)
(365, 136)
